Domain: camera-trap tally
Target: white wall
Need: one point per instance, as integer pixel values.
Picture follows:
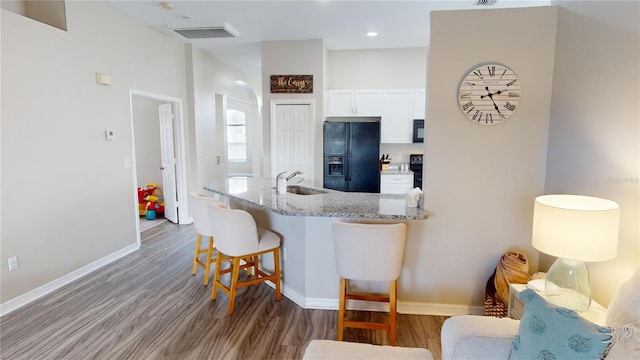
(67, 198)
(146, 129)
(300, 57)
(480, 181)
(594, 144)
(401, 68)
(207, 78)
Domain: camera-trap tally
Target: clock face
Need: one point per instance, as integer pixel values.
(489, 94)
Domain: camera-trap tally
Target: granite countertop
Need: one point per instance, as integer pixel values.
(261, 193)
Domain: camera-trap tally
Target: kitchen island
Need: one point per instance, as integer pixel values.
(304, 222)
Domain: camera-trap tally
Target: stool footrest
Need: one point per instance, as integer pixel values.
(378, 298)
(366, 325)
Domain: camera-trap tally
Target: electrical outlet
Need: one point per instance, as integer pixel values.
(13, 263)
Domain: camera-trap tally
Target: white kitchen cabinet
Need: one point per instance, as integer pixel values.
(419, 103)
(397, 116)
(354, 102)
(340, 102)
(396, 183)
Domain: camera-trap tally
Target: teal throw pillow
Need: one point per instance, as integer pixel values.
(550, 332)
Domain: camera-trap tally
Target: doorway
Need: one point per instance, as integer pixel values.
(158, 151)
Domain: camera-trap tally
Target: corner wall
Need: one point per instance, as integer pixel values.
(594, 141)
(480, 181)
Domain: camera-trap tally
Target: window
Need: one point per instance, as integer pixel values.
(236, 136)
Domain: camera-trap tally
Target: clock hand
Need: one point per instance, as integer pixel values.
(490, 96)
(489, 93)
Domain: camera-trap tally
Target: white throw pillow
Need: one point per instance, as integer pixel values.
(625, 343)
(624, 308)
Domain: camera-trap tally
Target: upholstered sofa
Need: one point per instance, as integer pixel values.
(483, 337)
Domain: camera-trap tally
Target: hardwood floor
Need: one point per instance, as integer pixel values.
(148, 306)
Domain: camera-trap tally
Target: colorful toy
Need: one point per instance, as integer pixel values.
(143, 192)
(154, 205)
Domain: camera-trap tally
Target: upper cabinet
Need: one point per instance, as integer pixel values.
(397, 116)
(419, 103)
(396, 107)
(354, 102)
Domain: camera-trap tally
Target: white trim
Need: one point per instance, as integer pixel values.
(51, 286)
(293, 296)
(290, 294)
(438, 309)
(403, 307)
(321, 304)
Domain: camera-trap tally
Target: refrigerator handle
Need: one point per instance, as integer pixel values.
(348, 162)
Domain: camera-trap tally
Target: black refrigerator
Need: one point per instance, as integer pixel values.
(352, 156)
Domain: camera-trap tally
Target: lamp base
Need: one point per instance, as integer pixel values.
(567, 284)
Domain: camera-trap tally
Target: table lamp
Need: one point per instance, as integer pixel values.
(575, 229)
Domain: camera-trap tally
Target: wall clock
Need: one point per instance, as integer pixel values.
(489, 94)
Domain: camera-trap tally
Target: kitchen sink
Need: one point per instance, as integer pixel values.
(301, 190)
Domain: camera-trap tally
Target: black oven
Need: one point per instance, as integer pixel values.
(418, 131)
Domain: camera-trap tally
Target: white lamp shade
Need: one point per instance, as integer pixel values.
(576, 227)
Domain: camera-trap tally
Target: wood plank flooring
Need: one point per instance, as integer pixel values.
(148, 306)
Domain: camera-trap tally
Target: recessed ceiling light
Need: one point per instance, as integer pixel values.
(372, 34)
(167, 6)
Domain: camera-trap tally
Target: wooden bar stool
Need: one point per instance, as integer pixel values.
(198, 205)
(368, 252)
(238, 238)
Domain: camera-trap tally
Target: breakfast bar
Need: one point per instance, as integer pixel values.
(303, 217)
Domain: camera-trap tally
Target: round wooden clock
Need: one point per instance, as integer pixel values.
(489, 94)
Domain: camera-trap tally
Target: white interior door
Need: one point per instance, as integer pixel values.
(168, 162)
(293, 140)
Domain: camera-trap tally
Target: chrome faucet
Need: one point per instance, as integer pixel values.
(297, 172)
(281, 183)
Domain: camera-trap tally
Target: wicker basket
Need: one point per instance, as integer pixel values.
(494, 306)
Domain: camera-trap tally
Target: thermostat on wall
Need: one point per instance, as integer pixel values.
(109, 134)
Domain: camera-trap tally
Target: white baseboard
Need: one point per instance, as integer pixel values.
(403, 307)
(413, 308)
(438, 309)
(49, 287)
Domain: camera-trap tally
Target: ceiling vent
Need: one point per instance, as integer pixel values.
(208, 32)
(485, 2)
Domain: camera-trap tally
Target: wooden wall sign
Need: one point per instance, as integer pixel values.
(299, 84)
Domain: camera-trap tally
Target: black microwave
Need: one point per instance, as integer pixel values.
(418, 131)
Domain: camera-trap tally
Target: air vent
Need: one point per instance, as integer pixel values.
(485, 2)
(207, 32)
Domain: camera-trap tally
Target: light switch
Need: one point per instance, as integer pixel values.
(109, 134)
(127, 163)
